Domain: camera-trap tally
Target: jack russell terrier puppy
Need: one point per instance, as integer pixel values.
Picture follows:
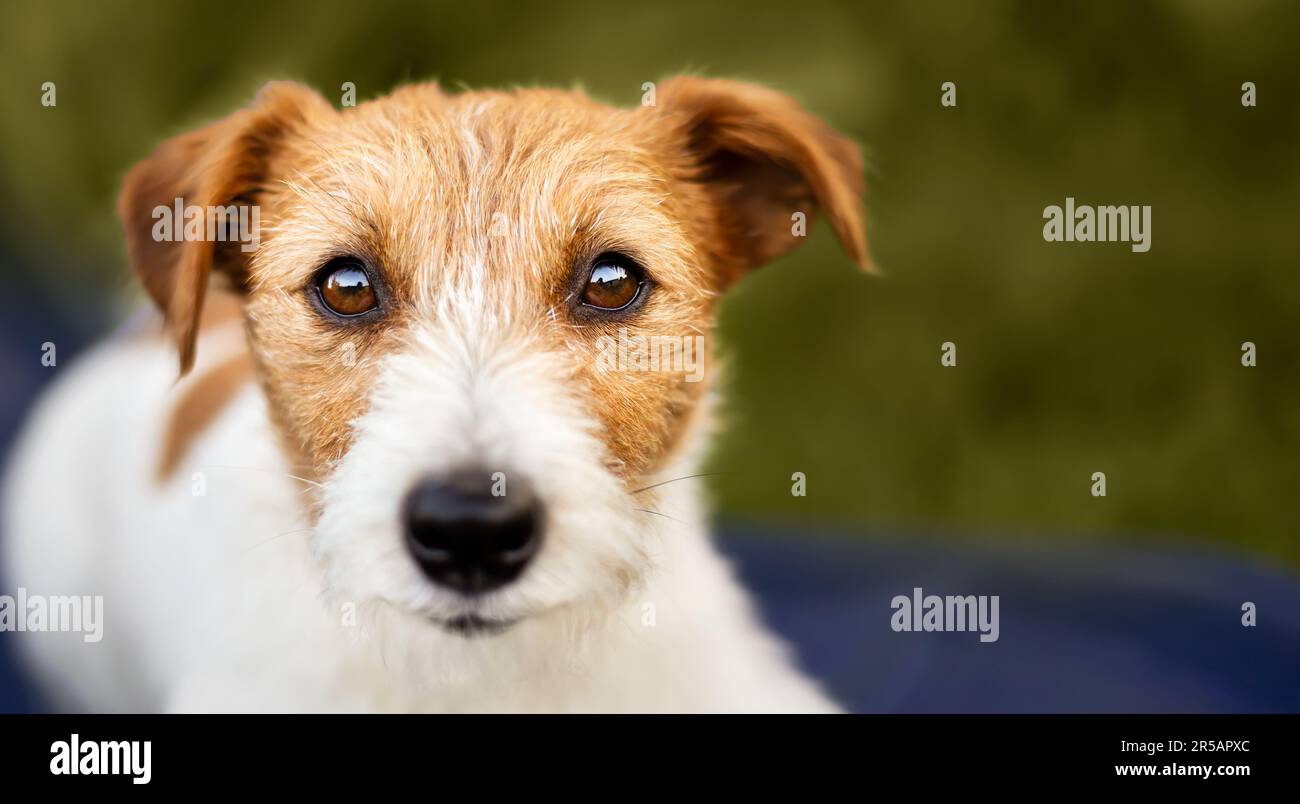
(396, 475)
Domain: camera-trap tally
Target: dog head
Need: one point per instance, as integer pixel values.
(478, 318)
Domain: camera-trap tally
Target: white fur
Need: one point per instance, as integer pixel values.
(231, 601)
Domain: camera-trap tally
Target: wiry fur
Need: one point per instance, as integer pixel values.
(286, 585)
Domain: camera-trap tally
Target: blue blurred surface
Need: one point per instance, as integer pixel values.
(1083, 629)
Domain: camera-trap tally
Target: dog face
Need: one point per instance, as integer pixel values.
(440, 285)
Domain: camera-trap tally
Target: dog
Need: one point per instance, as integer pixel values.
(393, 476)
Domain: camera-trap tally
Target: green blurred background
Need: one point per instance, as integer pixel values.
(1072, 358)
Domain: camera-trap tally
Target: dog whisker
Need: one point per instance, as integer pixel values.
(674, 480)
(656, 513)
(271, 471)
(265, 542)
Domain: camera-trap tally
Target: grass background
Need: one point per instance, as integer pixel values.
(1072, 358)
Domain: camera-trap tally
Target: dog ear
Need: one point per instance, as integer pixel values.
(222, 164)
(763, 159)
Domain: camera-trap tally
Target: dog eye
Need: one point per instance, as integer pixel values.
(345, 289)
(614, 282)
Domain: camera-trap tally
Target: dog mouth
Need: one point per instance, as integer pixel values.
(474, 625)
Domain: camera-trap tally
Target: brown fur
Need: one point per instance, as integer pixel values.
(202, 395)
(698, 190)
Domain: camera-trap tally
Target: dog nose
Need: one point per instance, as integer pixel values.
(471, 533)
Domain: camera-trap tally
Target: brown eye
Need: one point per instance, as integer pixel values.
(614, 283)
(345, 289)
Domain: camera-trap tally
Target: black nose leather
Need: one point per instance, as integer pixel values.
(466, 538)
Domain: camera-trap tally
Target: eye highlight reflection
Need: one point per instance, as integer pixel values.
(345, 289)
(613, 283)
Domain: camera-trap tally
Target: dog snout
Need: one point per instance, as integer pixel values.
(471, 531)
